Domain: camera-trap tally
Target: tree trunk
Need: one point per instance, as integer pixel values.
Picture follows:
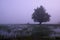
(40, 23)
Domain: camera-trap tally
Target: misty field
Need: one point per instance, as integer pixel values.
(29, 32)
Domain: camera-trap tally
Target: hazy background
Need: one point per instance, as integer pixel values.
(20, 11)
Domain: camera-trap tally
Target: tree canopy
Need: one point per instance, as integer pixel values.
(40, 15)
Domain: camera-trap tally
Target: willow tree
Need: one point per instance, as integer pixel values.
(40, 15)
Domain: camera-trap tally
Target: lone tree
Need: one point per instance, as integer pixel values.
(40, 15)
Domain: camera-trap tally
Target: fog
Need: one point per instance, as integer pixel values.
(20, 11)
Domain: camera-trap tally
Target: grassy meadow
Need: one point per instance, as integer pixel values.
(27, 32)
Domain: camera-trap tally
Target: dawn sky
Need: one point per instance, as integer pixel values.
(20, 11)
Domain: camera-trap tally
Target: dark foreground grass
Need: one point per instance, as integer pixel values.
(29, 38)
(17, 38)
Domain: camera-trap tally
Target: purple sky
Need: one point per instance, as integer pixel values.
(20, 11)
